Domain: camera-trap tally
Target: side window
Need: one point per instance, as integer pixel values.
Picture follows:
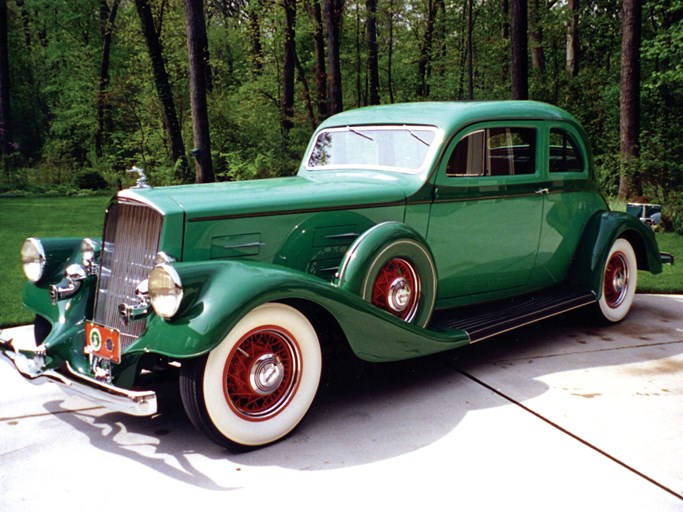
(565, 155)
(494, 152)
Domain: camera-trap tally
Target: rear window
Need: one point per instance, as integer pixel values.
(495, 152)
(564, 152)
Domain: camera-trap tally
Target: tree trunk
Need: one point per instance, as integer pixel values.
(288, 70)
(505, 33)
(519, 47)
(470, 51)
(255, 34)
(197, 49)
(315, 13)
(572, 63)
(332, 11)
(107, 18)
(21, 5)
(359, 94)
(426, 50)
(371, 35)
(5, 110)
(462, 56)
(164, 91)
(536, 34)
(629, 97)
(307, 93)
(390, 52)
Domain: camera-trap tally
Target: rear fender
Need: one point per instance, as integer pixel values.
(600, 233)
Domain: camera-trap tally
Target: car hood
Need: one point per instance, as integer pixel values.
(278, 195)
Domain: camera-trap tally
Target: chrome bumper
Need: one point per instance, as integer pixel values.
(135, 403)
(667, 258)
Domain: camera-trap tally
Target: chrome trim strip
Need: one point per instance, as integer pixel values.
(129, 194)
(342, 235)
(247, 245)
(294, 211)
(135, 403)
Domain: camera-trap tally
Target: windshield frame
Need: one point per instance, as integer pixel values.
(361, 130)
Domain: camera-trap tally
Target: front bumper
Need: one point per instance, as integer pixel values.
(135, 403)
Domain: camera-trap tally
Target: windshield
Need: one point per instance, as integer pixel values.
(397, 148)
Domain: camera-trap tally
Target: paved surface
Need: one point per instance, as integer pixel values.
(558, 416)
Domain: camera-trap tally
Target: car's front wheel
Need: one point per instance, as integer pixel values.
(619, 280)
(258, 383)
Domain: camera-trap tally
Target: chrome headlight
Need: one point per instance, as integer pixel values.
(165, 290)
(33, 259)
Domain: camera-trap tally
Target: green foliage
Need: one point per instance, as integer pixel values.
(91, 180)
(56, 55)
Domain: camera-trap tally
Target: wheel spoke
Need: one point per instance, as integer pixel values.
(397, 288)
(261, 373)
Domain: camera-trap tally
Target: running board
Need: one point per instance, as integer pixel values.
(486, 320)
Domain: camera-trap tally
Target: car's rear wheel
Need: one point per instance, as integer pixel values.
(258, 383)
(619, 280)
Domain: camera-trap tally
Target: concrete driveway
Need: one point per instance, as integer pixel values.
(559, 416)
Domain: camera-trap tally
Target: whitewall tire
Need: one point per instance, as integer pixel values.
(619, 280)
(259, 382)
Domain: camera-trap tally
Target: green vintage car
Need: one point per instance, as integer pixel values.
(409, 230)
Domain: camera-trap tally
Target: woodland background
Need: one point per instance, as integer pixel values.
(210, 90)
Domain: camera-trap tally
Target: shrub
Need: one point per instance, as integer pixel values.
(90, 180)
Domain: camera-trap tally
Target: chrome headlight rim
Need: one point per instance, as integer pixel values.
(165, 290)
(89, 251)
(33, 259)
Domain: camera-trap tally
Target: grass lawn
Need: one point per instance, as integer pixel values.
(83, 216)
(41, 217)
(671, 278)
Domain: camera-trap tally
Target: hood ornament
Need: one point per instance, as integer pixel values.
(142, 179)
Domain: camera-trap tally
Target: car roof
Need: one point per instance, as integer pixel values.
(449, 116)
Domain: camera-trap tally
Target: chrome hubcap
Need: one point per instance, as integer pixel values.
(399, 295)
(616, 280)
(619, 283)
(267, 373)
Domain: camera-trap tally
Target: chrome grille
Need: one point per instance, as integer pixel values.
(130, 242)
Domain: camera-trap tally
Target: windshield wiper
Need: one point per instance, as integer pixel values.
(411, 132)
(360, 134)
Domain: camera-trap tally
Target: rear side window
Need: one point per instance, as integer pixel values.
(565, 155)
(495, 152)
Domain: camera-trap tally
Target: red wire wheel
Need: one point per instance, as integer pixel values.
(256, 385)
(616, 280)
(619, 282)
(397, 289)
(262, 373)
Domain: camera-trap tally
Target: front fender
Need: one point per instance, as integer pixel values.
(599, 234)
(220, 293)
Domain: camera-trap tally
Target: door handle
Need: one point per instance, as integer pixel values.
(542, 191)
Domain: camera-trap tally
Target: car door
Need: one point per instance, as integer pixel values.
(486, 215)
(571, 200)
